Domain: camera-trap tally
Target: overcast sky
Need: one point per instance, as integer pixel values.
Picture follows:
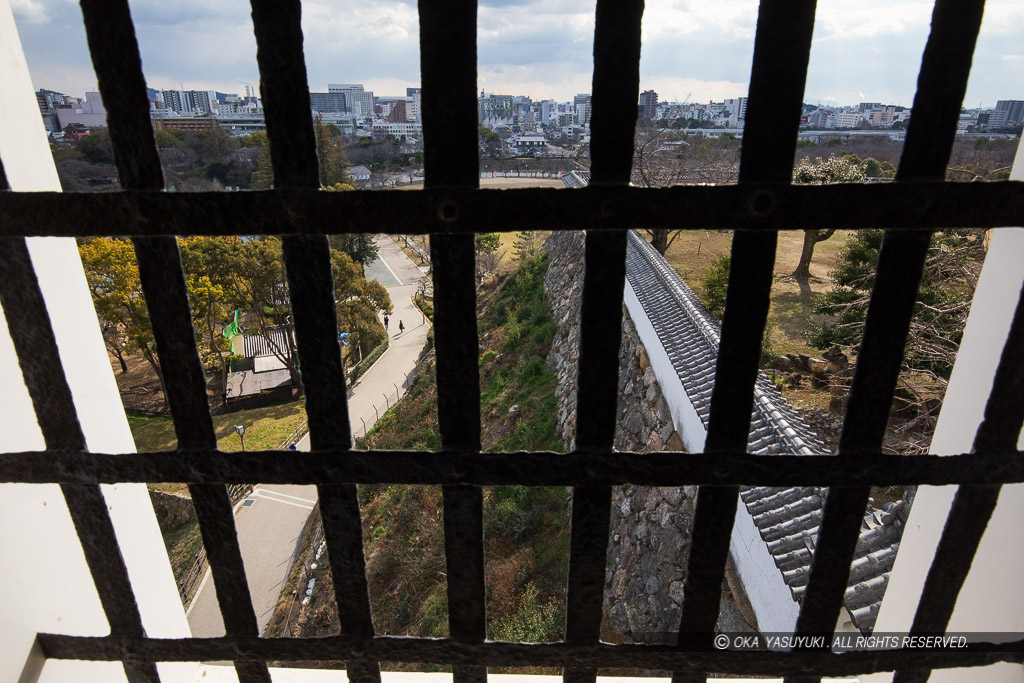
(697, 50)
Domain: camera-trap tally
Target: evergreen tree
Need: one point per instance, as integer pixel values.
(359, 247)
(330, 151)
(526, 244)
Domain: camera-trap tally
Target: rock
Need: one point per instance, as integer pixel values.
(654, 443)
(633, 422)
(675, 443)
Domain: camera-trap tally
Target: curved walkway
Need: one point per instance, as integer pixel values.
(270, 521)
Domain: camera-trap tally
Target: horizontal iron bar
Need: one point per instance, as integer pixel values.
(752, 206)
(498, 469)
(519, 654)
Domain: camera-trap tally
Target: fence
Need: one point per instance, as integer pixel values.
(364, 423)
(305, 581)
(189, 581)
(520, 174)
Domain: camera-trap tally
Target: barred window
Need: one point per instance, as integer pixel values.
(450, 208)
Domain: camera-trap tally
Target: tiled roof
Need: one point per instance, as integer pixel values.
(576, 178)
(787, 519)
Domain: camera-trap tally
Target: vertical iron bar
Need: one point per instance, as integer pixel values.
(36, 348)
(616, 89)
(115, 56)
(307, 260)
(942, 83)
(781, 51)
(448, 69)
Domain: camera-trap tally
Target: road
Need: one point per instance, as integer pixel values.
(269, 521)
(400, 276)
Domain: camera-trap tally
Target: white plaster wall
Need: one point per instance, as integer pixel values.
(769, 596)
(46, 584)
(768, 593)
(684, 417)
(992, 599)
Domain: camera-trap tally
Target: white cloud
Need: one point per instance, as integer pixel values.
(30, 11)
(869, 50)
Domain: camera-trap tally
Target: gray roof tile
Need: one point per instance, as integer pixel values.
(787, 518)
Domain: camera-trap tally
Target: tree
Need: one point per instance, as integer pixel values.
(872, 168)
(263, 176)
(360, 247)
(258, 275)
(168, 137)
(842, 169)
(207, 264)
(490, 142)
(97, 147)
(113, 278)
(714, 282)
(664, 157)
(943, 302)
(358, 302)
(257, 270)
(527, 243)
(487, 256)
(330, 151)
(257, 138)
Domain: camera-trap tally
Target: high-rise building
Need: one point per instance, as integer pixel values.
(399, 112)
(495, 111)
(357, 100)
(186, 101)
(328, 101)
(581, 107)
(737, 107)
(648, 104)
(1014, 111)
(173, 100)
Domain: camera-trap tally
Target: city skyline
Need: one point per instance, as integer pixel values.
(692, 52)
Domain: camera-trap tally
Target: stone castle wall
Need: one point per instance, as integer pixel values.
(649, 535)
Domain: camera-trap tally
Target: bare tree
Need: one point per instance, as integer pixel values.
(666, 157)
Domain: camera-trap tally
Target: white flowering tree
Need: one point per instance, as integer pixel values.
(842, 169)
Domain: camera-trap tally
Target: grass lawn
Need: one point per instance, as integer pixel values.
(792, 305)
(265, 428)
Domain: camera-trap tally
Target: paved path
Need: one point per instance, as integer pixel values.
(269, 522)
(400, 276)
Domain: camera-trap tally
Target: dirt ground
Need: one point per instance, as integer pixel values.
(792, 304)
(140, 388)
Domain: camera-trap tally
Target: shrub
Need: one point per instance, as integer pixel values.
(714, 283)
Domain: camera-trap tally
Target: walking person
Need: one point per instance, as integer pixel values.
(386, 323)
(401, 327)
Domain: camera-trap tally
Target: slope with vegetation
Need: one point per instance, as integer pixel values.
(526, 547)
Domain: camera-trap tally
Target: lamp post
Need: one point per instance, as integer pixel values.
(241, 435)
